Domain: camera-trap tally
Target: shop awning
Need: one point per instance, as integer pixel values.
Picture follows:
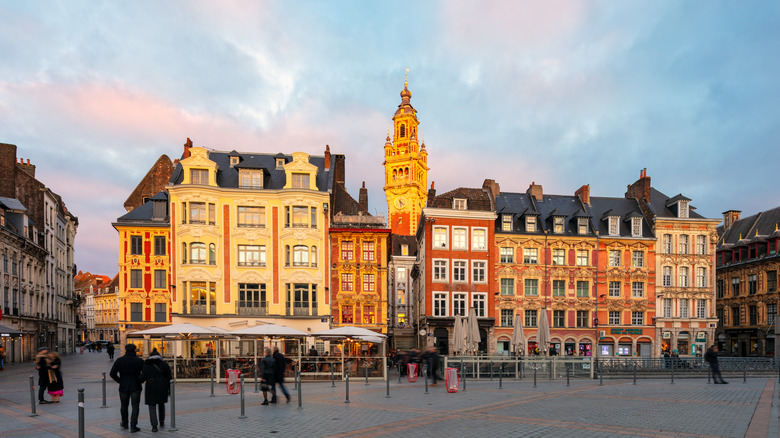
(9, 332)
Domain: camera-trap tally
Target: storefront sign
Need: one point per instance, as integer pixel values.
(701, 336)
(625, 331)
(667, 335)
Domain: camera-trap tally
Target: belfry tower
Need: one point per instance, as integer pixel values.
(406, 169)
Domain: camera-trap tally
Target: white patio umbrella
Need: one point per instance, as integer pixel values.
(458, 336)
(180, 331)
(473, 337)
(347, 332)
(543, 334)
(518, 337)
(270, 330)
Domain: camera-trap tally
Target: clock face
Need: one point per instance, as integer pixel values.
(400, 202)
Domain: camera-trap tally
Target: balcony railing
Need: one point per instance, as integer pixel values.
(301, 308)
(254, 308)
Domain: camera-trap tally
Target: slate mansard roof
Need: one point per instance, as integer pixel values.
(275, 179)
(760, 226)
(476, 199)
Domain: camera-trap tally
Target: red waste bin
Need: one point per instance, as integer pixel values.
(233, 381)
(411, 372)
(451, 379)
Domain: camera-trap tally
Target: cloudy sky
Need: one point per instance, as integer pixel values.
(563, 93)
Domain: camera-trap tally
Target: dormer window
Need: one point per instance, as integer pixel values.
(300, 180)
(506, 222)
(280, 163)
(636, 226)
(614, 225)
(199, 176)
(530, 224)
(582, 225)
(251, 179)
(459, 204)
(233, 161)
(558, 225)
(159, 210)
(682, 209)
(404, 250)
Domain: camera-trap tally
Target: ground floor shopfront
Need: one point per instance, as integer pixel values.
(439, 332)
(626, 342)
(685, 340)
(747, 342)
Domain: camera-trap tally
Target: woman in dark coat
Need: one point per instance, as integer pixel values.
(56, 386)
(157, 375)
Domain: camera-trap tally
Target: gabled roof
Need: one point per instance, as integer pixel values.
(145, 212)
(660, 203)
(476, 199)
(674, 200)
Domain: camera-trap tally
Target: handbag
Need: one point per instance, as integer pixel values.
(52, 376)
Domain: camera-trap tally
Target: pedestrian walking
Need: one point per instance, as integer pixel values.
(431, 358)
(157, 376)
(127, 372)
(42, 365)
(110, 349)
(2, 358)
(56, 386)
(267, 373)
(711, 356)
(279, 367)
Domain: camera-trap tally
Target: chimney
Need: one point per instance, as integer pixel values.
(584, 194)
(535, 191)
(187, 147)
(729, 217)
(363, 197)
(338, 168)
(27, 167)
(641, 188)
(327, 157)
(431, 195)
(492, 187)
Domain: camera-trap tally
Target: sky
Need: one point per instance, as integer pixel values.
(561, 93)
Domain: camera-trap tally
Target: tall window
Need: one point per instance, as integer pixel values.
(530, 224)
(559, 288)
(637, 318)
(160, 312)
(682, 208)
(735, 286)
(614, 289)
(478, 271)
(347, 316)
(347, 250)
(771, 281)
(199, 176)
(369, 315)
(159, 245)
(638, 259)
(530, 256)
(753, 315)
(136, 312)
(347, 282)
(614, 258)
(479, 302)
(439, 237)
(368, 282)
(300, 255)
(683, 276)
(459, 304)
(297, 216)
(559, 318)
(558, 225)
(479, 239)
(439, 304)
(507, 317)
(160, 279)
(771, 313)
(212, 254)
(582, 257)
(300, 180)
(701, 244)
(506, 222)
(637, 289)
(582, 289)
(614, 317)
(507, 286)
(666, 244)
(440, 270)
(507, 254)
(251, 217)
(583, 317)
(251, 295)
(531, 287)
(684, 307)
(530, 318)
(582, 225)
(459, 238)
(636, 226)
(701, 277)
(251, 255)
(559, 257)
(368, 251)
(400, 274)
(667, 308)
(683, 239)
(136, 278)
(614, 226)
(735, 316)
(666, 276)
(136, 245)
(701, 308)
(752, 284)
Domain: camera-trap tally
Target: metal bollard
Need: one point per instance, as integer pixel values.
(173, 406)
(568, 373)
(104, 391)
(242, 416)
(32, 397)
(634, 373)
(463, 375)
(255, 370)
(672, 374)
(501, 378)
(365, 366)
(295, 370)
(601, 373)
(81, 412)
(744, 372)
(300, 399)
(211, 370)
(387, 383)
(347, 382)
(332, 381)
(534, 377)
(709, 372)
(491, 370)
(427, 368)
(399, 373)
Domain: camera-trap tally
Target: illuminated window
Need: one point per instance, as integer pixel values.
(368, 282)
(346, 315)
(369, 315)
(368, 251)
(250, 179)
(347, 282)
(347, 250)
(251, 216)
(439, 237)
(582, 257)
(530, 256)
(559, 257)
(478, 239)
(199, 176)
(300, 180)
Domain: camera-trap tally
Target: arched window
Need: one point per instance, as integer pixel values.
(314, 256)
(198, 252)
(300, 255)
(403, 131)
(406, 172)
(395, 174)
(212, 254)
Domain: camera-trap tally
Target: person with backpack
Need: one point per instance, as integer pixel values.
(156, 374)
(267, 374)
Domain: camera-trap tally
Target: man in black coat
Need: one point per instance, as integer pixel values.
(280, 367)
(711, 356)
(267, 374)
(42, 365)
(157, 375)
(127, 372)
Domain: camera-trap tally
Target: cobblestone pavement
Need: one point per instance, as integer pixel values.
(653, 407)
